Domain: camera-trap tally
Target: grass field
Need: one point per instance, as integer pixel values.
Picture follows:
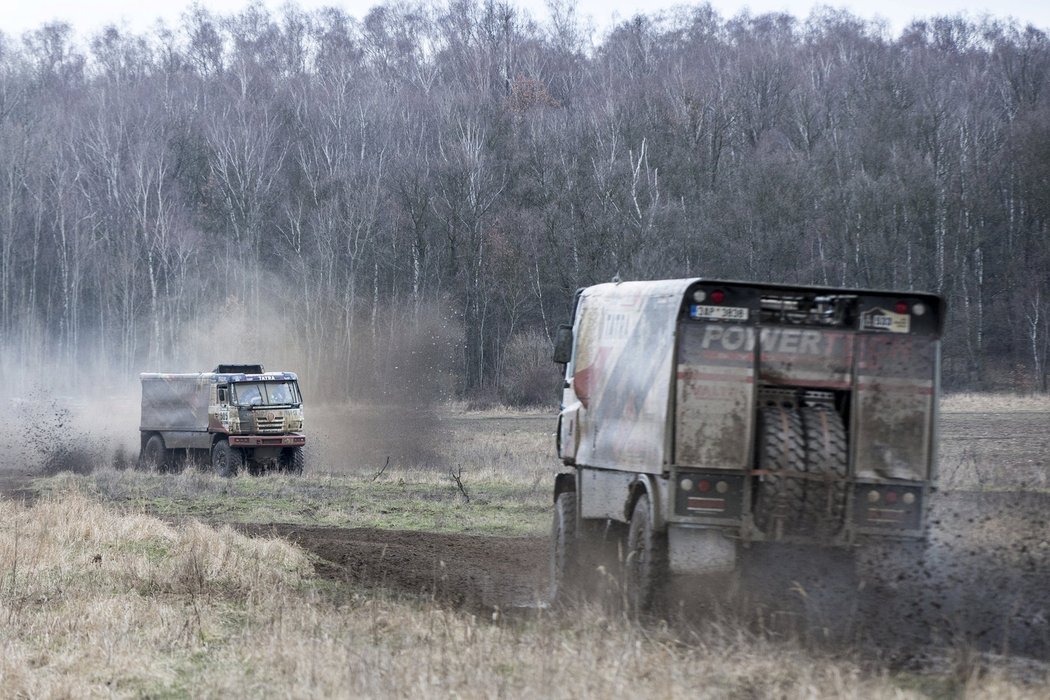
(1000, 444)
(100, 602)
(428, 501)
(364, 473)
(129, 584)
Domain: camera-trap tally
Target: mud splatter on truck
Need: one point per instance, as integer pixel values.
(707, 417)
(238, 417)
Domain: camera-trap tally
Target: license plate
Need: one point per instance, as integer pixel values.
(718, 313)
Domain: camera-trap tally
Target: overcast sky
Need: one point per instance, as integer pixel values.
(87, 16)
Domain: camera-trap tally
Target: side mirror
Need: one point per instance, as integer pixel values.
(563, 344)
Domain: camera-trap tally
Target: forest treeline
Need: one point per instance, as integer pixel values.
(406, 202)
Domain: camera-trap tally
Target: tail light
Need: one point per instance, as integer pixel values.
(709, 495)
(889, 506)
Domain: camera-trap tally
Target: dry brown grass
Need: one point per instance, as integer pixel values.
(95, 601)
(187, 610)
(994, 450)
(975, 402)
(102, 603)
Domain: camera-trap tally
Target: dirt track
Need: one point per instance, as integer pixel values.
(463, 570)
(984, 583)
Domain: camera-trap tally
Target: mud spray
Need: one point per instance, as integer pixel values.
(978, 585)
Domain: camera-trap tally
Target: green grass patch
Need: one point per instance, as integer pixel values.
(423, 501)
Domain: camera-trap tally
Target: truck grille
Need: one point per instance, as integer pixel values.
(266, 423)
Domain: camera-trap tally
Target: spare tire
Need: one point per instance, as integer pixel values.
(826, 455)
(781, 498)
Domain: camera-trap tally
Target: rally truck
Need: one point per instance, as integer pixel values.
(701, 418)
(236, 418)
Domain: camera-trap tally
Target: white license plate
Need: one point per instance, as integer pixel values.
(719, 313)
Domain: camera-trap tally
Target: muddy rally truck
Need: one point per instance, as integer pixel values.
(235, 418)
(701, 418)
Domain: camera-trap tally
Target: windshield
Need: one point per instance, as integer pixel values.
(265, 393)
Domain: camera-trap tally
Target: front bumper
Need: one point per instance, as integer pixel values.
(290, 440)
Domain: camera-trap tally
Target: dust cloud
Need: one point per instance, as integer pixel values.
(397, 419)
(369, 397)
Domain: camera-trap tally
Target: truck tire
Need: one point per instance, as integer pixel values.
(645, 563)
(564, 549)
(177, 461)
(226, 461)
(781, 447)
(826, 455)
(154, 455)
(293, 461)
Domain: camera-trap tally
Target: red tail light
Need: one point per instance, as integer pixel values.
(718, 296)
(891, 496)
(901, 307)
(704, 486)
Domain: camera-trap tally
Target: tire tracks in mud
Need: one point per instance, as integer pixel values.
(983, 584)
(471, 571)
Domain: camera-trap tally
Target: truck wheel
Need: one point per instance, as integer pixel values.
(225, 460)
(781, 447)
(293, 461)
(177, 460)
(645, 564)
(564, 564)
(826, 455)
(154, 455)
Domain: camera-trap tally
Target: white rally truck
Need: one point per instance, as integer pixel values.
(702, 417)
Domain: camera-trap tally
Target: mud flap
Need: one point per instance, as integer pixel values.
(699, 551)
